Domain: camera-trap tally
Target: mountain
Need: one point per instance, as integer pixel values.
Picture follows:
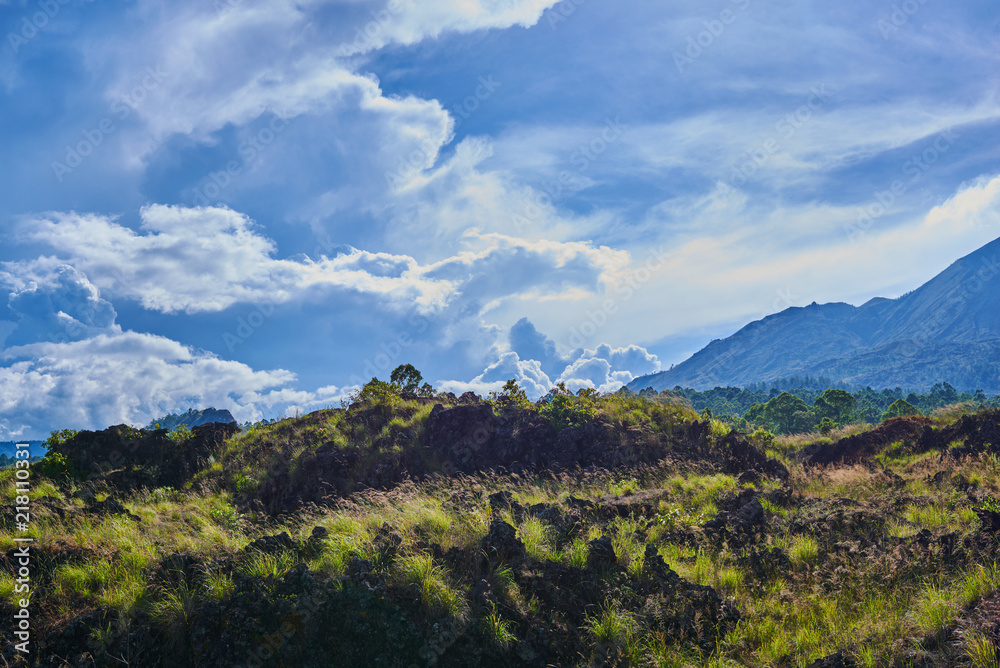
(192, 419)
(9, 448)
(946, 330)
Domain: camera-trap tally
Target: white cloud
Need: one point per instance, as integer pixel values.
(604, 368)
(207, 259)
(59, 305)
(222, 65)
(527, 373)
(126, 378)
(607, 369)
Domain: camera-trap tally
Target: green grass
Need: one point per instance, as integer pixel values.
(981, 651)
(418, 572)
(845, 591)
(498, 630)
(804, 551)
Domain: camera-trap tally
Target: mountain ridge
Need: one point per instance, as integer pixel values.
(948, 329)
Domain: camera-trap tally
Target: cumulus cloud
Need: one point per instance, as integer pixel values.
(537, 367)
(607, 369)
(223, 65)
(124, 378)
(207, 259)
(527, 373)
(529, 343)
(62, 305)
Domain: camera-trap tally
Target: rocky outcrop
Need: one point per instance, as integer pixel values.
(129, 458)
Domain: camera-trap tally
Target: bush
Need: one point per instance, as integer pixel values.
(509, 399)
(55, 466)
(181, 434)
(563, 410)
(59, 437)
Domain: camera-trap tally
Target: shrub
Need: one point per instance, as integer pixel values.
(181, 434)
(55, 466)
(59, 437)
(563, 410)
(509, 399)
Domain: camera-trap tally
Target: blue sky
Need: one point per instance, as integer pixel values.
(257, 205)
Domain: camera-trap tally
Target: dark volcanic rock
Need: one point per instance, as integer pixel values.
(601, 553)
(838, 660)
(272, 544)
(502, 545)
(129, 458)
(460, 434)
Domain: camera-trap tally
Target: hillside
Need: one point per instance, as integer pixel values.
(458, 532)
(947, 330)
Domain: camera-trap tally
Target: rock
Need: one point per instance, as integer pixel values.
(319, 533)
(111, 506)
(838, 660)
(272, 544)
(601, 553)
(502, 545)
(752, 514)
(989, 520)
(386, 544)
(655, 566)
(482, 595)
(462, 435)
(500, 501)
(546, 513)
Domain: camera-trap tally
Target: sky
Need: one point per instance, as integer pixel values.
(259, 206)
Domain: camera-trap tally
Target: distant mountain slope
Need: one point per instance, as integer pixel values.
(9, 448)
(947, 330)
(192, 419)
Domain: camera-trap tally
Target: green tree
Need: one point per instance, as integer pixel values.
(837, 405)
(900, 408)
(789, 414)
(510, 398)
(755, 416)
(406, 377)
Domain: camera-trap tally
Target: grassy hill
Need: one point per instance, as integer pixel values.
(453, 531)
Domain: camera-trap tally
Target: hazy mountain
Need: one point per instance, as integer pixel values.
(9, 448)
(946, 330)
(192, 419)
